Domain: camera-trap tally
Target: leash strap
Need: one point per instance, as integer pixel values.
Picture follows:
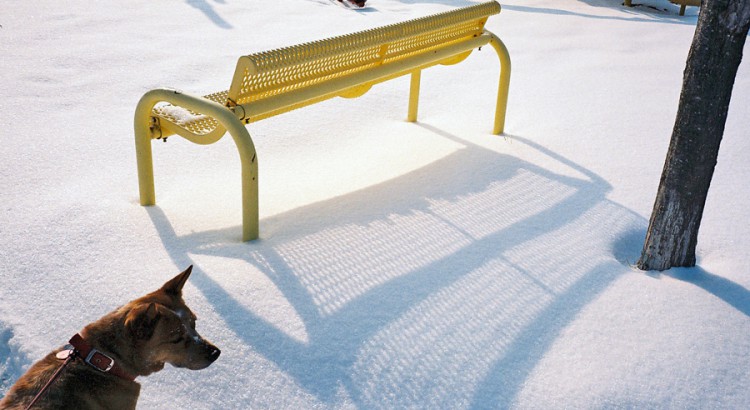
(71, 356)
(90, 356)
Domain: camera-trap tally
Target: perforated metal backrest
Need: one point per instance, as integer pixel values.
(274, 72)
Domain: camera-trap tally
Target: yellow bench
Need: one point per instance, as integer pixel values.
(273, 82)
(681, 3)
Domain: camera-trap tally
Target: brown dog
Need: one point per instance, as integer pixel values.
(135, 340)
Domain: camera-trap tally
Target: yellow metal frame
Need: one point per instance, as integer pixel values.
(681, 3)
(273, 82)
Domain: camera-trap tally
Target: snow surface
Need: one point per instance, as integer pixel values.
(400, 265)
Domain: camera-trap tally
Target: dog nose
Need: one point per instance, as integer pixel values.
(214, 354)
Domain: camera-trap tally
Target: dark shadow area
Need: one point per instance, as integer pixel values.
(636, 14)
(404, 285)
(206, 8)
(627, 248)
(636, 5)
(506, 379)
(733, 294)
(12, 362)
(667, 14)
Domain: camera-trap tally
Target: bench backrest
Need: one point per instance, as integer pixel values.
(271, 73)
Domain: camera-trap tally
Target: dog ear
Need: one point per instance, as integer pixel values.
(142, 321)
(174, 286)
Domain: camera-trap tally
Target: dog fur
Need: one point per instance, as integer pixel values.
(140, 336)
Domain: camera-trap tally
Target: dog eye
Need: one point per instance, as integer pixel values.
(176, 336)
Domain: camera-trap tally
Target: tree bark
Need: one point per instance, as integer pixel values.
(712, 63)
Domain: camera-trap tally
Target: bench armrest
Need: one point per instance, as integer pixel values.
(186, 115)
(226, 121)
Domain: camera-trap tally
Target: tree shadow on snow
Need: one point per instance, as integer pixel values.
(628, 250)
(443, 295)
(730, 292)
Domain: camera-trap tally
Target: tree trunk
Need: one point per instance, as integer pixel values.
(709, 76)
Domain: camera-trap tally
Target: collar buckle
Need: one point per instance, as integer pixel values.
(100, 361)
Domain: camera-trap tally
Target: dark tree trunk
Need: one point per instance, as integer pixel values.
(706, 90)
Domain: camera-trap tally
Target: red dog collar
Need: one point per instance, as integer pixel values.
(98, 360)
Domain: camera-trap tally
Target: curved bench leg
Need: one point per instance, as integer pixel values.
(143, 136)
(502, 91)
(227, 118)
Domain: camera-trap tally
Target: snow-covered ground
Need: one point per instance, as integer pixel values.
(428, 265)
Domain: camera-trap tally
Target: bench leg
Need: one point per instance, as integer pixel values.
(249, 162)
(502, 91)
(682, 9)
(142, 125)
(227, 118)
(416, 77)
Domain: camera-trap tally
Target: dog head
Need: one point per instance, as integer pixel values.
(163, 331)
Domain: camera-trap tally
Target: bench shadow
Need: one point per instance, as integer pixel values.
(442, 295)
